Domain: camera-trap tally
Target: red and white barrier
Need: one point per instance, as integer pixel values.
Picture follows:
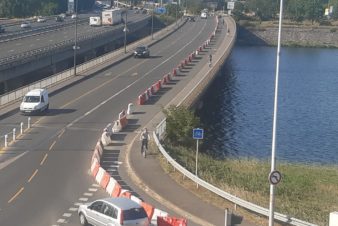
(171, 221)
(130, 109)
(113, 188)
(123, 119)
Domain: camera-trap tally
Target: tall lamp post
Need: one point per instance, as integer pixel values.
(125, 33)
(152, 23)
(273, 155)
(75, 41)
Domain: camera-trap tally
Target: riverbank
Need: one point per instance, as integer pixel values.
(307, 192)
(294, 35)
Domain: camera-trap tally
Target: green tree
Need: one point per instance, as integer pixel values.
(180, 123)
(264, 9)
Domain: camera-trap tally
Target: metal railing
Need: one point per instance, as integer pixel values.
(159, 132)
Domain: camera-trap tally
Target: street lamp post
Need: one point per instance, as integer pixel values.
(125, 33)
(75, 41)
(273, 151)
(152, 24)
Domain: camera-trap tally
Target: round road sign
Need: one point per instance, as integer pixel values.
(275, 177)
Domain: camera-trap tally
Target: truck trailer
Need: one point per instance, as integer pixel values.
(111, 16)
(95, 21)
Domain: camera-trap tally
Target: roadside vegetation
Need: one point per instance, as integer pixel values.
(306, 192)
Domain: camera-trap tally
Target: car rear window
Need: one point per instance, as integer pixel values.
(140, 48)
(133, 214)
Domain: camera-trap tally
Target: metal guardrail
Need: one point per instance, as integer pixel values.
(17, 94)
(57, 46)
(160, 128)
(159, 133)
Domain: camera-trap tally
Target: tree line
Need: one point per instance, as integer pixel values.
(26, 8)
(296, 10)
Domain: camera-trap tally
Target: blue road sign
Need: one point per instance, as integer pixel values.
(160, 10)
(197, 133)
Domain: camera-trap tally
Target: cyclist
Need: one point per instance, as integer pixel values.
(210, 59)
(144, 137)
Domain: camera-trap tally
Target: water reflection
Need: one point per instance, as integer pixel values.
(238, 108)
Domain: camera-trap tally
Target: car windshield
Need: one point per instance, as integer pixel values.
(133, 214)
(140, 49)
(31, 99)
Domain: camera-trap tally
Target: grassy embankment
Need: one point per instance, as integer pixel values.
(306, 192)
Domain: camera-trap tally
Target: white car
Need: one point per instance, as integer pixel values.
(25, 24)
(41, 20)
(74, 16)
(113, 212)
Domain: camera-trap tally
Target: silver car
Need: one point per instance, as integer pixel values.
(113, 212)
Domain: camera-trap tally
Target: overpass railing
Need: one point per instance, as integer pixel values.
(55, 47)
(16, 95)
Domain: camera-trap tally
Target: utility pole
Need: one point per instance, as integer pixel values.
(75, 41)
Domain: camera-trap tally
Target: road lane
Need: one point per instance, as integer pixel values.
(73, 126)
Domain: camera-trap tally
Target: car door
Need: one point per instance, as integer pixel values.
(109, 215)
(94, 213)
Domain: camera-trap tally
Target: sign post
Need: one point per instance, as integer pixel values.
(197, 135)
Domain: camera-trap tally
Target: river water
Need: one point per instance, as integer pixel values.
(237, 110)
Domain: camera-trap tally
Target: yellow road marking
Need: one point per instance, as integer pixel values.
(43, 160)
(31, 178)
(16, 195)
(52, 145)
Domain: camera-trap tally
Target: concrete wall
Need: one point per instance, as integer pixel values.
(294, 36)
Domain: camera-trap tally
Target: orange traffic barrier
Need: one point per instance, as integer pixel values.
(174, 72)
(149, 209)
(95, 168)
(96, 156)
(186, 61)
(105, 180)
(141, 99)
(125, 193)
(171, 221)
(113, 188)
(158, 85)
(164, 80)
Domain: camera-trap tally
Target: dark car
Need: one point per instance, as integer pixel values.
(191, 18)
(2, 29)
(142, 51)
(59, 19)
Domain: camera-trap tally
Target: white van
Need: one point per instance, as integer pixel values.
(204, 15)
(35, 101)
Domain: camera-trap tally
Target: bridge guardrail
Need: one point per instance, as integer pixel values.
(16, 95)
(160, 130)
(42, 51)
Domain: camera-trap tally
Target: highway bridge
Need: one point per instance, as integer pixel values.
(45, 173)
(46, 48)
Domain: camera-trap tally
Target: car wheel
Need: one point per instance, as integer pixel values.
(83, 220)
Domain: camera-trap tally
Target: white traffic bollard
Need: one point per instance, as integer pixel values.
(14, 134)
(6, 138)
(29, 123)
(130, 110)
(21, 128)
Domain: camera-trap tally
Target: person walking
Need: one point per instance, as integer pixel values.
(144, 138)
(210, 60)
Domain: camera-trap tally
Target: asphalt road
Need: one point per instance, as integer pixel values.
(45, 174)
(52, 36)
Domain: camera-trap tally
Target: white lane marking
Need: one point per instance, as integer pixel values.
(88, 194)
(73, 209)
(12, 50)
(93, 189)
(67, 215)
(78, 204)
(83, 199)
(51, 40)
(95, 185)
(61, 221)
(9, 161)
